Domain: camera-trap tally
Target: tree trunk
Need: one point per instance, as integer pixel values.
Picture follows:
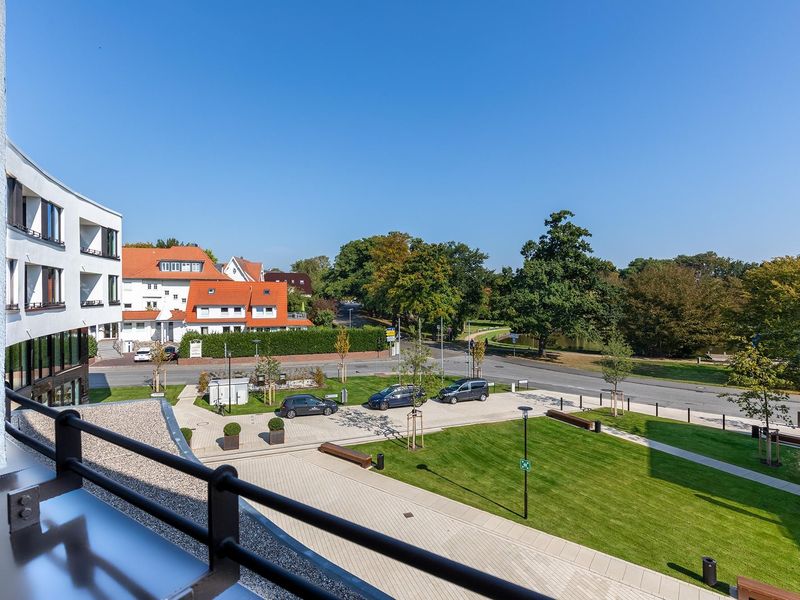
(769, 433)
(542, 340)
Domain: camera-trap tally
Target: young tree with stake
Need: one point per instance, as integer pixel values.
(616, 363)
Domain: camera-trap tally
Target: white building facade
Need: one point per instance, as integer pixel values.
(63, 275)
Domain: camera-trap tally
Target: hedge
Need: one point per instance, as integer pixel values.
(318, 340)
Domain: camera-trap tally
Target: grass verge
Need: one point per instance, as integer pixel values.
(135, 392)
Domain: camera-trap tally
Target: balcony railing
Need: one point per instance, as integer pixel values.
(94, 252)
(226, 554)
(35, 234)
(91, 303)
(296, 315)
(31, 306)
(113, 302)
(12, 306)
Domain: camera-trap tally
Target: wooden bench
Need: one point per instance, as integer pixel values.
(361, 459)
(750, 589)
(568, 418)
(789, 439)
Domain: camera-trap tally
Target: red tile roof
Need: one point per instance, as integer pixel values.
(142, 263)
(253, 269)
(177, 315)
(241, 293)
(139, 315)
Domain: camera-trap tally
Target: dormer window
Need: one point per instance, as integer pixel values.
(211, 291)
(266, 292)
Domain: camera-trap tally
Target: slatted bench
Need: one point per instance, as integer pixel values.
(750, 589)
(361, 459)
(568, 418)
(789, 439)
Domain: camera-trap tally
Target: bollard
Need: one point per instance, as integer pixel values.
(581, 403)
(629, 405)
(598, 426)
(562, 404)
(601, 398)
(688, 415)
(755, 431)
(379, 464)
(709, 571)
(656, 408)
(723, 422)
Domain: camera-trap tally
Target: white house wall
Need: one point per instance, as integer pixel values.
(22, 325)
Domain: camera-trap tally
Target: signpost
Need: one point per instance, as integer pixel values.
(391, 334)
(524, 463)
(514, 337)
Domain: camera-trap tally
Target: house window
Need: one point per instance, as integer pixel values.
(139, 325)
(237, 309)
(51, 290)
(174, 296)
(266, 292)
(113, 288)
(211, 290)
(152, 305)
(183, 300)
(109, 243)
(204, 331)
(16, 203)
(127, 305)
(197, 267)
(204, 311)
(51, 221)
(226, 329)
(224, 310)
(126, 325)
(237, 329)
(11, 286)
(152, 286)
(166, 292)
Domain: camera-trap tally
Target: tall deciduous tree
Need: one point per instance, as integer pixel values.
(422, 288)
(352, 270)
(469, 276)
(561, 287)
(388, 255)
(316, 268)
(762, 378)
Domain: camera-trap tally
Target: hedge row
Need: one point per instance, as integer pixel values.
(318, 340)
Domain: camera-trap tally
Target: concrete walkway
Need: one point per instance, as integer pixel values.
(515, 552)
(773, 482)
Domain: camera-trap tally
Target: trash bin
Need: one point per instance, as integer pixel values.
(598, 426)
(379, 463)
(755, 431)
(709, 571)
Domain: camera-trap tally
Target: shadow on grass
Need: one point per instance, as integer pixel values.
(99, 394)
(424, 467)
(736, 509)
(720, 586)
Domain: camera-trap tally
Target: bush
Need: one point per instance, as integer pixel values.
(232, 429)
(284, 343)
(319, 378)
(202, 383)
(275, 424)
(324, 318)
(92, 346)
(187, 434)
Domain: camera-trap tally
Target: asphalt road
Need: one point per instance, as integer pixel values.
(496, 368)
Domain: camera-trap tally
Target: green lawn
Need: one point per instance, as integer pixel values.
(359, 390)
(735, 448)
(643, 506)
(135, 392)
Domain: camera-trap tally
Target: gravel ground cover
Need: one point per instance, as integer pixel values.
(143, 421)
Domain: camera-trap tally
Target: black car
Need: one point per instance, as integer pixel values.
(306, 404)
(397, 395)
(171, 352)
(465, 389)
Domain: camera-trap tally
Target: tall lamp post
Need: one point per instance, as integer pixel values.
(256, 342)
(525, 465)
(440, 327)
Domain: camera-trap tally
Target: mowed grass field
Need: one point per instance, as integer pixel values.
(135, 392)
(650, 508)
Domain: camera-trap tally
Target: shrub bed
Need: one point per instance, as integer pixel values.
(319, 340)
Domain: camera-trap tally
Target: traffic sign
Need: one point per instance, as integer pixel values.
(391, 334)
(514, 337)
(524, 464)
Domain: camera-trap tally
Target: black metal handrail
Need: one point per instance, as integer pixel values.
(222, 535)
(93, 252)
(38, 235)
(85, 303)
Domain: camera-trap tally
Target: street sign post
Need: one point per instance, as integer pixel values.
(391, 334)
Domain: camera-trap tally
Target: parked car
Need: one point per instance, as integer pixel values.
(397, 395)
(306, 404)
(465, 389)
(142, 355)
(171, 352)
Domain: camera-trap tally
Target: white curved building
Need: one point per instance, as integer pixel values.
(63, 274)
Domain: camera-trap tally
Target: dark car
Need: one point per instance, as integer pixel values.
(397, 395)
(171, 352)
(465, 389)
(305, 404)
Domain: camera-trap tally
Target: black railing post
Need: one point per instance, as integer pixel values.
(581, 401)
(723, 422)
(562, 404)
(688, 415)
(601, 398)
(68, 448)
(656, 408)
(223, 526)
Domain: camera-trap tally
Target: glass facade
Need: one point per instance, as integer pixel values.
(52, 368)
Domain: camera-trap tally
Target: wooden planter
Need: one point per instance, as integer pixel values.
(230, 442)
(277, 437)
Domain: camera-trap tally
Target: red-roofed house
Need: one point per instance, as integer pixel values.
(241, 269)
(223, 306)
(155, 289)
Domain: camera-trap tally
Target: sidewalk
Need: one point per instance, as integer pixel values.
(537, 560)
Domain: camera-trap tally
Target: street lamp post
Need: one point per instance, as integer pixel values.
(228, 356)
(351, 317)
(256, 342)
(525, 464)
(440, 327)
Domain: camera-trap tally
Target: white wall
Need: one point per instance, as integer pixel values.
(3, 211)
(22, 325)
(216, 312)
(214, 327)
(136, 293)
(231, 270)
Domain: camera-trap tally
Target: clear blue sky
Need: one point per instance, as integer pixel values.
(282, 130)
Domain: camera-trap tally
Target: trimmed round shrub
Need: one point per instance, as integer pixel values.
(275, 424)
(232, 429)
(187, 434)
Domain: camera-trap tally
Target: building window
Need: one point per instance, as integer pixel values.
(152, 286)
(127, 305)
(204, 331)
(166, 292)
(113, 289)
(127, 325)
(183, 300)
(139, 325)
(197, 267)
(109, 243)
(11, 283)
(224, 310)
(51, 221)
(211, 291)
(237, 329)
(203, 311)
(51, 285)
(237, 309)
(16, 203)
(174, 296)
(226, 329)
(152, 305)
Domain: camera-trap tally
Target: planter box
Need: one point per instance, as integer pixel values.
(277, 437)
(230, 442)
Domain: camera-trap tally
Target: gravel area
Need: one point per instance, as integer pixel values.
(181, 493)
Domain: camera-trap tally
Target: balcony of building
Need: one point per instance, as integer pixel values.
(92, 289)
(97, 240)
(34, 216)
(42, 288)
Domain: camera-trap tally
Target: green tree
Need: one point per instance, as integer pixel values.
(616, 363)
(418, 368)
(671, 311)
(210, 253)
(763, 380)
(771, 310)
(342, 347)
(316, 268)
(389, 253)
(351, 271)
(469, 276)
(560, 287)
(268, 371)
(295, 301)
